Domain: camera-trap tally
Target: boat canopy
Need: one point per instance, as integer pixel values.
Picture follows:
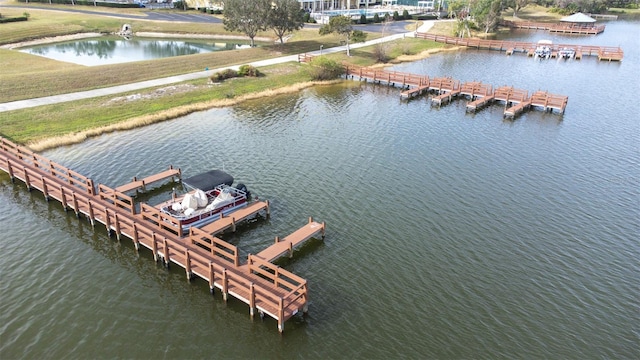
(209, 180)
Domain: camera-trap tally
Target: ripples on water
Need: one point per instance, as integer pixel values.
(449, 235)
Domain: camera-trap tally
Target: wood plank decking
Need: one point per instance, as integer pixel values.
(447, 89)
(606, 53)
(142, 184)
(566, 28)
(230, 221)
(286, 245)
(265, 287)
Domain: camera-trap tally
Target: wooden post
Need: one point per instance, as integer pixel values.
(44, 188)
(26, 178)
(280, 315)
(233, 224)
(117, 226)
(225, 285)
(136, 242)
(268, 210)
(10, 170)
(305, 307)
(166, 252)
(324, 226)
(187, 266)
(92, 217)
(63, 197)
(90, 187)
(212, 277)
(154, 246)
(252, 300)
(107, 221)
(75, 203)
(290, 249)
(276, 275)
(277, 239)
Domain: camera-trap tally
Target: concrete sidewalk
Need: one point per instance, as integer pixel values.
(113, 90)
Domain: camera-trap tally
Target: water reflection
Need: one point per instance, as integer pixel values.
(113, 50)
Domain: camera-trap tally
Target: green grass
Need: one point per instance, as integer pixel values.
(72, 117)
(27, 76)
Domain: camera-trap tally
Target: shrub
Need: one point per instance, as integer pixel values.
(405, 15)
(248, 70)
(13, 19)
(223, 75)
(363, 19)
(380, 53)
(376, 18)
(396, 16)
(322, 68)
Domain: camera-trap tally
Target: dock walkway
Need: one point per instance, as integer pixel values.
(142, 184)
(480, 94)
(565, 28)
(265, 287)
(230, 221)
(286, 245)
(604, 53)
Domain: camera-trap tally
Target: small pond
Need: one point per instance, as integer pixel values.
(115, 49)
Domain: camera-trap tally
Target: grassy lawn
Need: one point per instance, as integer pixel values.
(160, 103)
(26, 76)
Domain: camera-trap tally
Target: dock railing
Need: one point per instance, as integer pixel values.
(83, 183)
(160, 219)
(117, 198)
(215, 246)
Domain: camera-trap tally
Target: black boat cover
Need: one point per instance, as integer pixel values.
(209, 180)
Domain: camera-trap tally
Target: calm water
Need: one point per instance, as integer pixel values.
(450, 235)
(115, 49)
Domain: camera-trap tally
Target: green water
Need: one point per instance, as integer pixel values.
(449, 235)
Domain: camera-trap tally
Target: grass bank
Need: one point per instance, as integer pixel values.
(71, 122)
(28, 76)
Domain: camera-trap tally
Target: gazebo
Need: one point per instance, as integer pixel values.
(581, 21)
(578, 18)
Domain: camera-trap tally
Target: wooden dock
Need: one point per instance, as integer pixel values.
(539, 99)
(480, 94)
(265, 287)
(286, 245)
(142, 184)
(565, 28)
(607, 53)
(230, 221)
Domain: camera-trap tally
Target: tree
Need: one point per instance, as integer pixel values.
(519, 5)
(285, 16)
(460, 10)
(248, 17)
(341, 25)
(486, 13)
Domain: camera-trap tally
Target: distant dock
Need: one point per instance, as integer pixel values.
(446, 89)
(564, 28)
(604, 53)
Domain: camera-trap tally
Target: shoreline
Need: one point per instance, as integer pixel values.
(165, 115)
